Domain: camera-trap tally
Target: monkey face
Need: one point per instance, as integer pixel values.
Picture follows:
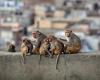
(36, 34)
(68, 33)
(51, 38)
(25, 41)
(46, 40)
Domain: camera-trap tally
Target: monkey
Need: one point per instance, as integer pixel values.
(24, 51)
(44, 48)
(39, 37)
(73, 44)
(11, 47)
(56, 47)
(41, 44)
(26, 47)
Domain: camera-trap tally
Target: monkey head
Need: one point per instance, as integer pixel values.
(36, 34)
(68, 33)
(51, 38)
(25, 41)
(46, 40)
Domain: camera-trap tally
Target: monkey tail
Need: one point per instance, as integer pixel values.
(40, 57)
(57, 61)
(24, 58)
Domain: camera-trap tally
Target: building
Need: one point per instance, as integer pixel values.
(79, 3)
(10, 5)
(31, 3)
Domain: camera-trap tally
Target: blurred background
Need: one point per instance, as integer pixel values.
(19, 18)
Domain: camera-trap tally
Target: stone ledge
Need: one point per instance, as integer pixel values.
(71, 67)
(82, 53)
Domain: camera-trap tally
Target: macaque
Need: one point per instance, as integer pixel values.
(56, 47)
(26, 48)
(44, 48)
(39, 37)
(73, 44)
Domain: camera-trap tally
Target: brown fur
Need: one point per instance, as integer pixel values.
(56, 48)
(44, 47)
(26, 47)
(39, 39)
(40, 44)
(74, 44)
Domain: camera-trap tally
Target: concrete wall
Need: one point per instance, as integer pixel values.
(83, 66)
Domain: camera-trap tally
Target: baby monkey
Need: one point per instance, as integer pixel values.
(44, 48)
(56, 48)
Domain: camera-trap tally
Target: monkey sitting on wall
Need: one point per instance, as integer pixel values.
(39, 37)
(56, 48)
(26, 48)
(45, 47)
(73, 44)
